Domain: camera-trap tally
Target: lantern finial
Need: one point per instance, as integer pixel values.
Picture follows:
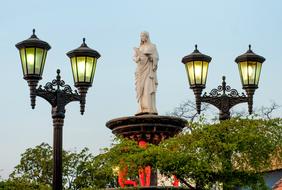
(33, 34)
(250, 46)
(83, 43)
(58, 78)
(223, 78)
(196, 49)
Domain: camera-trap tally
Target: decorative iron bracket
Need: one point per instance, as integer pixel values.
(224, 98)
(58, 94)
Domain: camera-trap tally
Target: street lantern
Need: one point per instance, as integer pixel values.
(197, 65)
(33, 52)
(249, 65)
(83, 63)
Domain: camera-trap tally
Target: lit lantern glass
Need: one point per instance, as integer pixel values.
(83, 63)
(33, 54)
(196, 65)
(197, 72)
(249, 65)
(83, 69)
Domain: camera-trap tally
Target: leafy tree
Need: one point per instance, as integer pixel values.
(97, 172)
(17, 184)
(35, 165)
(233, 152)
(80, 169)
(230, 153)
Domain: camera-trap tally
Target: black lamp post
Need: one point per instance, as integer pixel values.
(33, 52)
(223, 97)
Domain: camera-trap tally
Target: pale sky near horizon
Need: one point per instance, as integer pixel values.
(222, 29)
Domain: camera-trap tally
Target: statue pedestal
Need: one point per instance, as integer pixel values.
(150, 128)
(147, 129)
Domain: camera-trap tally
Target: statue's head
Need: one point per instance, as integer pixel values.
(144, 37)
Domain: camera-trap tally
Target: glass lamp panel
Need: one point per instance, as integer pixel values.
(38, 61)
(252, 71)
(89, 68)
(198, 67)
(74, 69)
(30, 59)
(243, 68)
(205, 72)
(93, 69)
(81, 66)
(23, 60)
(190, 72)
(43, 61)
(258, 72)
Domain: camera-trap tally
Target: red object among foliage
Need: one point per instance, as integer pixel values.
(144, 173)
(124, 182)
(142, 144)
(145, 176)
(175, 183)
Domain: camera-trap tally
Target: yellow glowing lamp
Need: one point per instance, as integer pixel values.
(33, 52)
(83, 64)
(197, 65)
(249, 65)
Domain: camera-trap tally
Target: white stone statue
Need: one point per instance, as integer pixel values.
(146, 57)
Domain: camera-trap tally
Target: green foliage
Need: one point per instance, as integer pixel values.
(35, 165)
(124, 153)
(233, 152)
(21, 184)
(80, 170)
(230, 153)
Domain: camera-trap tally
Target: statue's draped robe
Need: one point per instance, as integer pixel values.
(146, 78)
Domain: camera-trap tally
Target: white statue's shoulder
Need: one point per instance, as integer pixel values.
(154, 46)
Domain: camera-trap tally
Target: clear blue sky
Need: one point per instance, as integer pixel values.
(222, 29)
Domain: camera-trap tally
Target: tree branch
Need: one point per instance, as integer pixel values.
(186, 183)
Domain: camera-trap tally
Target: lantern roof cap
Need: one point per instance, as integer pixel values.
(196, 55)
(249, 56)
(83, 50)
(33, 41)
